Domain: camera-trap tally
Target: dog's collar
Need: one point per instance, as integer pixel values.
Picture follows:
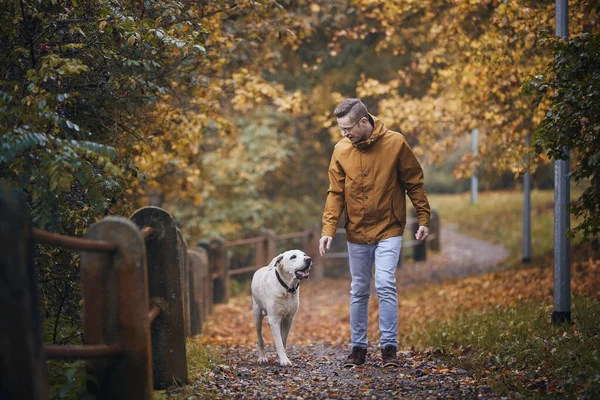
(289, 289)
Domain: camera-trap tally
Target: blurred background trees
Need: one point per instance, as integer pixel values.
(221, 111)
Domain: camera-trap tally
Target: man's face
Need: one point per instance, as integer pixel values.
(355, 131)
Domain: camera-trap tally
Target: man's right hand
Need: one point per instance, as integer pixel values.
(324, 242)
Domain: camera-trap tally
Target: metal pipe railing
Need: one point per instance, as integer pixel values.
(153, 313)
(147, 232)
(73, 243)
(86, 352)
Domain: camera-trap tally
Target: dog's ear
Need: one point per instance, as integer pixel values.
(275, 261)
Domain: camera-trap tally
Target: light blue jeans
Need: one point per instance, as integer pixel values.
(385, 254)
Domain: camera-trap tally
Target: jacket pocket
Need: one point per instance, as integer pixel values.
(398, 211)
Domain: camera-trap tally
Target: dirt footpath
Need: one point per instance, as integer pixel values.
(460, 256)
(316, 375)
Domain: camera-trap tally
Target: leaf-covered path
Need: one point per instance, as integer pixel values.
(316, 374)
(318, 341)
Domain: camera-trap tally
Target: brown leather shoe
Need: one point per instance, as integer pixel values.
(357, 357)
(388, 356)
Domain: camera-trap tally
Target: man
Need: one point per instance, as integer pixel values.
(371, 169)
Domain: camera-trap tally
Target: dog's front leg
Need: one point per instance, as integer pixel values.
(275, 323)
(286, 326)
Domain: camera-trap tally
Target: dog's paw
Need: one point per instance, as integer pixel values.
(263, 360)
(285, 362)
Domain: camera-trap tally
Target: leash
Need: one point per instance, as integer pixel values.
(289, 289)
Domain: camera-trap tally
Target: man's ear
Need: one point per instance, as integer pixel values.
(275, 261)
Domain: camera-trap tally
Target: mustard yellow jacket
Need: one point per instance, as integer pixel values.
(369, 180)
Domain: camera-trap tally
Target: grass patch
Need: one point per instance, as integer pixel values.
(516, 349)
(498, 325)
(200, 359)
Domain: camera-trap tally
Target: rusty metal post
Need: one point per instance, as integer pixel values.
(115, 293)
(22, 357)
(169, 362)
(221, 282)
(185, 281)
(196, 283)
(434, 229)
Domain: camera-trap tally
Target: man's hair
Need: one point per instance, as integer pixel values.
(352, 107)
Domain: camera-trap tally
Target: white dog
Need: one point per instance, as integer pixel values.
(275, 293)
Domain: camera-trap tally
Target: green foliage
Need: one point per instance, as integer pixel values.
(77, 81)
(240, 287)
(19, 141)
(571, 87)
(61, 164)
(68, 381)
(260, 179)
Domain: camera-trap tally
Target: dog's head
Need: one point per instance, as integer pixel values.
(293, 263)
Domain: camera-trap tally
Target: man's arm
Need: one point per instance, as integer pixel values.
(410, 174)
(334, 204)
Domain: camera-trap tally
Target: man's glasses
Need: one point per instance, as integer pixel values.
(346, 131)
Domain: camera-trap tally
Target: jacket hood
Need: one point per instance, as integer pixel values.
(379, 130)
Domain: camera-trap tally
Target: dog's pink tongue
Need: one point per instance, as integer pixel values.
(303, 274)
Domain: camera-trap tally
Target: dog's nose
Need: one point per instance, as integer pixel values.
(308, 260)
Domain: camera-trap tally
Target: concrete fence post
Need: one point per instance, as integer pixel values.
(169, 361)
(115, 309)
(207, 287)
(22, 356)
(211, 268)
(185, 281)
(221, 282)
(198, 272)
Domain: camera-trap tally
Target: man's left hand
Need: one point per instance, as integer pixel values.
(422, 233)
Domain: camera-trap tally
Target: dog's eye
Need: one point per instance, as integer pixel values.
(292, 257)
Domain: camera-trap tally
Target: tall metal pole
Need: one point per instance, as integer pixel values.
(474, 183)
(526, 210)
(562, 248)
